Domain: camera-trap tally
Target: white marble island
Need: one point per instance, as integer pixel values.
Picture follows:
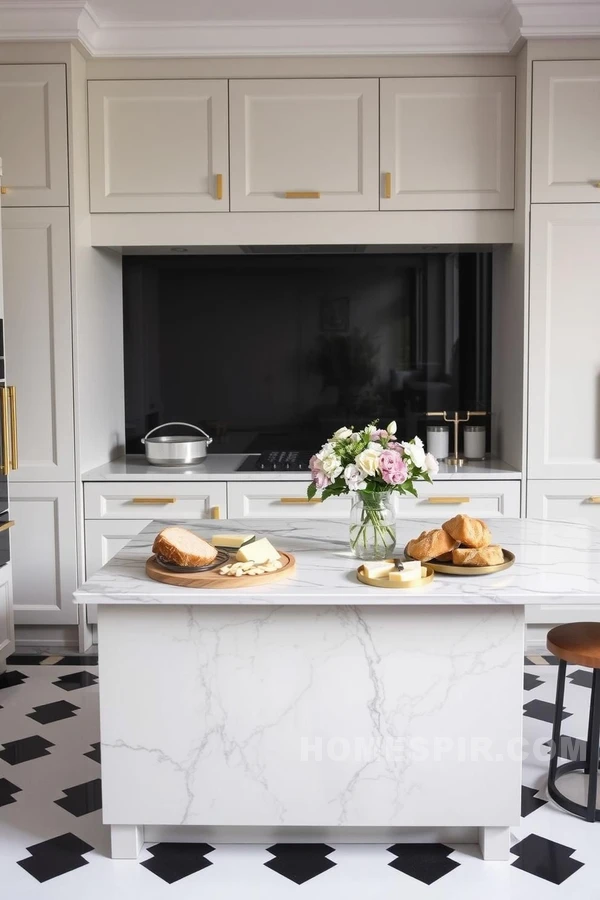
(319, 706)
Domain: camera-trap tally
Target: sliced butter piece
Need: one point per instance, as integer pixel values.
(405, 577)
(379, 569)
(232, 541)
(258, 552)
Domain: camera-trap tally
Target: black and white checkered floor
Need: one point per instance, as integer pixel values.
(53, 843)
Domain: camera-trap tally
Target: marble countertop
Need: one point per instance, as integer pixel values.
(224, 467)
(556, 563)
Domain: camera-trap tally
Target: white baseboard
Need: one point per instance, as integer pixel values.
(50, 636)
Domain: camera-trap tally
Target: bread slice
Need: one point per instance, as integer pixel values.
(182, 547)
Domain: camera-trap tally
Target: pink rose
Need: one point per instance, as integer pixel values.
(318, 475)
(394, 445)
(392, 467)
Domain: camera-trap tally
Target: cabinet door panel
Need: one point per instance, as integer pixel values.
(37, 314)
(33, 135)
(448, 143)
(304, 135)
(103, 539)
(158, 146)
(7, 630)
(566, 132)
(564, 351)
(43, 553)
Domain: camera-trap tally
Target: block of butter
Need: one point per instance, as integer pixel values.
(407, 576)
(258, 552)
(379, 569)
(231, 541)
(411, 565)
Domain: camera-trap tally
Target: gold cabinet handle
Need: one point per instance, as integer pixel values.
(215, 512)
(3, 189)
(594, 184)
(219, 187)
(5, 467)
(14, 435)
(387, 185)
(300, 500)
(593, 500)
(6, 526)
(302, 195)
(446, 500)
(154, 499)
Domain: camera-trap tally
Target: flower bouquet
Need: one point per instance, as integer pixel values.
(371, 464)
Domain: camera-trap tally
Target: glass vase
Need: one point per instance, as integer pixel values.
(373, 525)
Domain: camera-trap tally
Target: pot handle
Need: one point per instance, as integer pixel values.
(187, 425)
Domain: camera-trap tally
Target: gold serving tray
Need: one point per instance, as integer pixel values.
(450, 569)
(384, 583)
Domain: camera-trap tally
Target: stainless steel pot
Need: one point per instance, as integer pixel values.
(176, 450)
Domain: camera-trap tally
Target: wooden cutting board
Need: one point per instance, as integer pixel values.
(212, 579)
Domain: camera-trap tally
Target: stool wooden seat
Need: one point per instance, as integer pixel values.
(577, 643)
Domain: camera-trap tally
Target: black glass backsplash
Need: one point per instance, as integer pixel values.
(278, 351)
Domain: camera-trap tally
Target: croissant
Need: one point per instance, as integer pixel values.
(430, 545)
(468, 531)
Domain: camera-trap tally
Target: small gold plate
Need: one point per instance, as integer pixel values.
(384, 582)
(451, 569)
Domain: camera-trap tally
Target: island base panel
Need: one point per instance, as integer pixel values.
(322, 717)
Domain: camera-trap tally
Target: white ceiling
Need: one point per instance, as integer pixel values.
(176, 28)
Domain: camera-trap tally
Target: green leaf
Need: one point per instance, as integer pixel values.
(311, 490)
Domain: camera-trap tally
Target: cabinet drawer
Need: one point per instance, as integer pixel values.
(155, 500)
(443, 500)
(565, 501)
(103, 540)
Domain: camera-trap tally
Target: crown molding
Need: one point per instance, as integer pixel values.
(32, 20)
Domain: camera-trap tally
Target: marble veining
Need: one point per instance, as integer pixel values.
(556, 563)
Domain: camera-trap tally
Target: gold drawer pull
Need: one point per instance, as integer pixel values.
(593, 500)
(6, 526)
(4, 400)
(387, 190)
(215, 512)
(219, 187)
(303, 195)
(445, 500)
(3, 190)
(300, 500)
(14, 437)
(154, 499)
(594, 183)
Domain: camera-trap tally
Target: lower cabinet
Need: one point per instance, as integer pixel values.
(44, 553)
(7, 628)
(564, 501)
(104, 539)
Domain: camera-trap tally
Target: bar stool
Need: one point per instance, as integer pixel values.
(577, 643)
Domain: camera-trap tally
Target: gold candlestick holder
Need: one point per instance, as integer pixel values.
(456, 420)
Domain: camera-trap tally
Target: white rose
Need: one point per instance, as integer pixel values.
(355, 437)
(417, 441)
(431, 464)
(415, 453)
(391, 429)
(342, 434)
(354, 478)
(326, 450)
(331, 465)
(368, 461)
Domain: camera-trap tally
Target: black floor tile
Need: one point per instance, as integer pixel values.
(581, 678)
(542, 710)
(25, 659)
(25, 749)
(570, 748)
(11, 679)
(529, 802)
(7, 789)
(544, 858)
(531, 681)
(95, 753)
(82, 798)
(300, 862)
(53, 712)
(425, 862)
(89, 660)
(56, 856)
(174, 861)
(75, 680)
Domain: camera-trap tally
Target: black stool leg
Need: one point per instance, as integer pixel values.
(558, 711)
(593, 750)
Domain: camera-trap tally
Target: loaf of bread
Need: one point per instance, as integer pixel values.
(182, 547)
(430, 545)
(484, 556)
(468, 531)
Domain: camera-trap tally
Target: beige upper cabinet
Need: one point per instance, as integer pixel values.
(33, 135)
(564, 350)
(566, 132)
(447, 143)
(304, 144)
(158, 146)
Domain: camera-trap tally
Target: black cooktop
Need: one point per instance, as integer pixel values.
(276, 461)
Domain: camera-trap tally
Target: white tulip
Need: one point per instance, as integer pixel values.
(391, 429)
(355, 437)
(370, 429)
(431, 464)
(342, 434)
(415, 453)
